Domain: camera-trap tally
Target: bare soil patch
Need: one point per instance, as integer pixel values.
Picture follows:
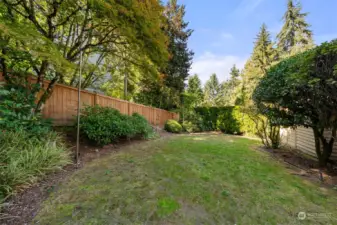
(305, 166)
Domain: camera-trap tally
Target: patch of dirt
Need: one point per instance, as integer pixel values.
(301, 165)
(22, 207)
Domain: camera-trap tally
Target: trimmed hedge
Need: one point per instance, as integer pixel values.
(104, 125)
(173, 126)
(229, 120)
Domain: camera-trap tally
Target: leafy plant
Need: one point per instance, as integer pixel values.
(105, 125)
(17, 110)
(302, 91)
(190, 127)
(173, 126)
(229, 119)
(25, 158)
(268, 132)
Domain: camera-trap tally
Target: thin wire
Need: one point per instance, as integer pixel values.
(79, 112)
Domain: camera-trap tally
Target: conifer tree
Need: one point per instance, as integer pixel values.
(194, 87)
(295, 36)
(212, 91)
(263, 56)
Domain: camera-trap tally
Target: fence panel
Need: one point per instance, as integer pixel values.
(302, 139)
(62, 106)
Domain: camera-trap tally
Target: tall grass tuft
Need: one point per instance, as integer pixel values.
(24, 159)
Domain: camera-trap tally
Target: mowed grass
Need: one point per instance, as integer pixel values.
(201, 179)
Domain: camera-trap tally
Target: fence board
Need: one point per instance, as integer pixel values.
(61, 107)
(302, 139)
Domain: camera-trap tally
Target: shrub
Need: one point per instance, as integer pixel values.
(17, 110)
(190, 127)
(231, 120)
(104, 125)
(25, 158)
(141, 126)
(173, 126)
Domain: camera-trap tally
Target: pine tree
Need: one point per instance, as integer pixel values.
(212, 91)
(263, 56)
(180, 60)
(230, 88)
(295, 35)
(263, 53)
(194, 87)
(167, 92)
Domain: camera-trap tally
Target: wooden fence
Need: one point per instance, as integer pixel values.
(302, 139)
(62, 106)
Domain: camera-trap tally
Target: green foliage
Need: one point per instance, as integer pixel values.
(17, 110)
(105, 125)
(194, 89)
(191, 127)
(302, 91)
(25, 158)
(295, 36)
(263, 56)
(46, 38)
(229, 90)
(212, 91)
(164, 90)
(173, 126)
(231, 120)
(268, 132)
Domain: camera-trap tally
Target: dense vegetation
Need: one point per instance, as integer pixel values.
(301, 91)
(173, 126)
(28, 147)
(25, 158)
(229, 119)
(294, 38)
(105, 125)
(132, 49)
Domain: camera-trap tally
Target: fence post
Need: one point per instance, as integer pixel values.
(95, 98)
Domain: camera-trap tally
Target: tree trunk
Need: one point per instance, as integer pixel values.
(323, 154)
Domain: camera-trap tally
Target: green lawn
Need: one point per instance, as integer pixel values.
(201, 179)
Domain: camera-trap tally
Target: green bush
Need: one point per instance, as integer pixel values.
(25, 158)
(190, 127)
(104, 125)
(231, 120)
(17, 110)
(173, 126)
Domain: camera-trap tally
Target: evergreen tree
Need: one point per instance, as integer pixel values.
(168, 90)
(230, 88)
(194, 87)
(212, 91)
(180, 61)
(295, 35)
(263, 53)
(263, 56)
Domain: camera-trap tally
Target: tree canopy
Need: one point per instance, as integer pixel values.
(52, 34)
(295, 35)
(301, 91)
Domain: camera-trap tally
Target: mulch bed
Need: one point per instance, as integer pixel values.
(306, 167)
(22, 208)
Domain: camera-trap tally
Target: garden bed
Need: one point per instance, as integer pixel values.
(22, 207)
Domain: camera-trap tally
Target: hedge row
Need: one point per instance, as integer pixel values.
(231, 120)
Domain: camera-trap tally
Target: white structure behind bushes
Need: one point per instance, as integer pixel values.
(302, 139)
